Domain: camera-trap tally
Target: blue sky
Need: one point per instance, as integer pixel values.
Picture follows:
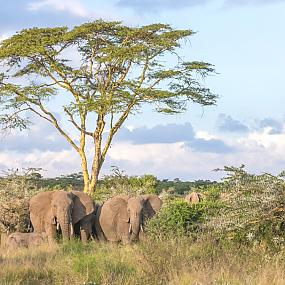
(242, 38)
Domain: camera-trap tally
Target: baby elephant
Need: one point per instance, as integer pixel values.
(17, 239)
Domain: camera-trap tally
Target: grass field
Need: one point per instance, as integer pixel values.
(174, 262)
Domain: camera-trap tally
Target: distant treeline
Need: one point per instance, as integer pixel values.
(120, 179)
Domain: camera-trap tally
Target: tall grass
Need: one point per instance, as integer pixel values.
(153, 262)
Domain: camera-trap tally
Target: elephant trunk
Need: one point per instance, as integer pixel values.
(71, 225)
(66, 225)
(135, 225)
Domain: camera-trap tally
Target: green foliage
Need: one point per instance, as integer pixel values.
(253, 209)
(182, 187)
(176, 218)
(120, 67)
(104, 69)
(16, 189)
(234, 236)
(117, 182)
(71, 181)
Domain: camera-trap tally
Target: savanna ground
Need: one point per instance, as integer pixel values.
(151, 262)
(235, 236)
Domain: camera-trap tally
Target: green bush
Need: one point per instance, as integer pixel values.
(176, 218)
(16, 189)
(253, 210)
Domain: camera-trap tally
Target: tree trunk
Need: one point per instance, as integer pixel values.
(96, 166)
(84, 168)
(90, 183)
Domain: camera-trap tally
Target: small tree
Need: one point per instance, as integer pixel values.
(102, 69)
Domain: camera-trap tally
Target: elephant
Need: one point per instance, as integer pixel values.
(121, 218)
(83, 215)
(18, 239)
(193, 198)
(111, 222)
(54, 210)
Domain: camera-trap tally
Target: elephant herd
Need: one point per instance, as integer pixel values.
(121, 218)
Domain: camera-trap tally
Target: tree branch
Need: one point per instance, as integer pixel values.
(54, 121)
(71, 119)
(117, 125)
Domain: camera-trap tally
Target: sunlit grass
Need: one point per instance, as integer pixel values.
(174, 262)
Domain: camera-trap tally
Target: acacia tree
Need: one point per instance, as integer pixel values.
(103, 71)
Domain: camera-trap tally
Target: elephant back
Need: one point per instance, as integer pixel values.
(113, 219)
(125, 197)
(83, 206)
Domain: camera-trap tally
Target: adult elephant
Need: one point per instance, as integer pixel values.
(121, 218)
(52, 210)
(193, 198)
(83, 214)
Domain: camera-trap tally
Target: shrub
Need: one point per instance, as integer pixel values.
(253, 209)
(176, 218)
(16, 190)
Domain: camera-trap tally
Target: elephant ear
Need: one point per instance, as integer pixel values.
(152, 204)
(83, 206)
(119, 208)
(40, 204)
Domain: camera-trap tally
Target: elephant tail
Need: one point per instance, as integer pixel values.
(98, 230)
(30, 226)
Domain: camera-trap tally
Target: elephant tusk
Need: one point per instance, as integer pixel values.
(57, 226)
(142, 228)
(71, 230)
(130, 228)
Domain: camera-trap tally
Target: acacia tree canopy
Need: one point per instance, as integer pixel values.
(109, 70)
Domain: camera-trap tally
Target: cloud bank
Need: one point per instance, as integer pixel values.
(167, 151)
(226, 123)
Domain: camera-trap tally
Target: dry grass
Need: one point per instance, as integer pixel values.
(175, 262)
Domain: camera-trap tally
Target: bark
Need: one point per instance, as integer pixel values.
(98, 158)
(84, 168)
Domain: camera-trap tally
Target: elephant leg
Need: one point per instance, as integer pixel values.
(37, 223)
(51, 233)
(123, 233)
(142, 236)
(85, 231)
(126, 240)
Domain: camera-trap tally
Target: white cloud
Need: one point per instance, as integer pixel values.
(259, 150)
(272, 143)
(204, 135)
(73, 7)
(3, 37)
(52, 163)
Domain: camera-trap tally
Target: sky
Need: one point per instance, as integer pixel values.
(243, 39)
